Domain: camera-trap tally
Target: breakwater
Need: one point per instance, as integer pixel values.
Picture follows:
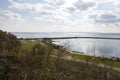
(70, 38)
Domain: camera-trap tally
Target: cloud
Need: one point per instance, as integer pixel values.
(84, 5)
(105, 18)
(71, 9)
(105, 12)
(69, 12)
(8, 17)
(50, 11)
(26, 6)
(55, 2)
(108, 16)
(106, 5)
(53, 11)
(37, 7)
(57, 17)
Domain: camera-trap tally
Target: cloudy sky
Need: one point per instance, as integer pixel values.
(60, 15)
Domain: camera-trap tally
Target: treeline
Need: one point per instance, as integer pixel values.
(8, 42)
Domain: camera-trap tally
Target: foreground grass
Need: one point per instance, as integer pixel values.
(14, 69)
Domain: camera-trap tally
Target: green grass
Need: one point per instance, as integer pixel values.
(95, 59)
(114, 64)
(26, 45)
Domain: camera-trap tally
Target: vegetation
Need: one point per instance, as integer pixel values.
(8, 43)
(36, 60)
(95, 59)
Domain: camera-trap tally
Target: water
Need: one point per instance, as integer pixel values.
(98, 47)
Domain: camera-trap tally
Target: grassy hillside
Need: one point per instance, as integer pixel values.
(37, 60)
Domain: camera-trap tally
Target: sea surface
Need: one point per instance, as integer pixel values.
(97, 47)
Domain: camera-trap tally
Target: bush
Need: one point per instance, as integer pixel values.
(8, 42)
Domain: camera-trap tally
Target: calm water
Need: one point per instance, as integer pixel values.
(99, 47)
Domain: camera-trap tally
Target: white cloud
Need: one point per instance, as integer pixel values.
(26, 6)
(50, 11)
(106, 5)
(37, 7)
(84, 5)
(55, 2)
(70, 12)
(56, 17)
(8, 17)
(105, 18)
(105, 12)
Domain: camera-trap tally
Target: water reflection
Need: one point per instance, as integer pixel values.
(98, 47)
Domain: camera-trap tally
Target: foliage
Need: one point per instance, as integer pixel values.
(8, 43)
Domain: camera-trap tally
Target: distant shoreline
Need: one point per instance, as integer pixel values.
(70, 38)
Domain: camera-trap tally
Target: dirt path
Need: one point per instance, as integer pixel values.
(99, 65)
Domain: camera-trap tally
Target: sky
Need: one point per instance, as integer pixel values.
(60, 16)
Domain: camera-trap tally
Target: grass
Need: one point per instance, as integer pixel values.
(111, 63)
(26, 45)
(95, 59)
